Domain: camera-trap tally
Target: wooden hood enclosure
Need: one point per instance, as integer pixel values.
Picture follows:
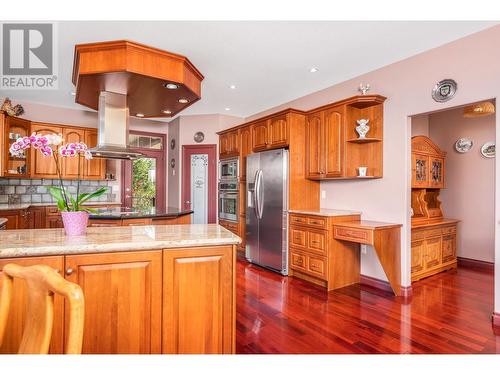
(138, 71)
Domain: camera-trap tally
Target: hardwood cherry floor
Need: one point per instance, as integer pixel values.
(449, 313)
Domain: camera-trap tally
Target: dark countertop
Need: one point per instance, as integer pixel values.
(118, 213)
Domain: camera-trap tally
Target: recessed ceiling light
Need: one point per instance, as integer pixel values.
(313, 70)
(167, 111)
(73, 93)
(183, 100)
(227, 109)
(139, 115)
(232, 87)
(171, 86)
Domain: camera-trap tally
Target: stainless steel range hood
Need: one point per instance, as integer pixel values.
(113, 128)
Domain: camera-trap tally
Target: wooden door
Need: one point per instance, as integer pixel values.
(259, 136)
(449, 248)
(420, 171)
(436, 173)
(314, 145)
(43, 166)
(417, 256)
(122, 301)
(432, 252)
(334, 141)
(278, 132)
(72, 165)
(234, 143)
(94, 169)
(18, 307)
(15, 166)
(37, 217)
(245, 149)
(198, 294)
(223, 145)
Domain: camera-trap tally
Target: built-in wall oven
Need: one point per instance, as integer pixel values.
(229, 200)
(229, 169)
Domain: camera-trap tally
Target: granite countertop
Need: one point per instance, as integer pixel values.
(118, 213)
(43, 242)
(325, 212)
(23, 206)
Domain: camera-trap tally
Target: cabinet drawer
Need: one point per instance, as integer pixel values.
(297, 219)
(317, 242)
(433, 233)
(52, 211)
(317, 266)
(317, 222)
(449, 230)
(298, 261)
(354, 235)
(298, 237)
(417, 235)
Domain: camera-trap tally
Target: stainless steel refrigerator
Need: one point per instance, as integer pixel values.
(267, 210)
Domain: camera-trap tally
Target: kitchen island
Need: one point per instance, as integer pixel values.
(148, 289)
(120, 216)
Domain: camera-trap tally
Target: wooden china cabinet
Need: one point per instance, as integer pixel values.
(433, 237)
(14, 166)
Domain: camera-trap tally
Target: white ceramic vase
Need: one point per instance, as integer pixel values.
(362, 128)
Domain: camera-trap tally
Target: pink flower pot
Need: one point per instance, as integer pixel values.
(75, 223)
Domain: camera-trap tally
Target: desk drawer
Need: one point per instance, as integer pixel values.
(354, 235)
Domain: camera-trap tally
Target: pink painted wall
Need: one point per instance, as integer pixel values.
(473, 63)
(470, 181)
(420, 125)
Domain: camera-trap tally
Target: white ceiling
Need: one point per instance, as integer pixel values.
(269, 62)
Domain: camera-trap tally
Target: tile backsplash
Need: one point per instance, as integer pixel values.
(13, 191)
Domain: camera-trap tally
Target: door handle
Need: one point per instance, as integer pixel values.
(255, 195)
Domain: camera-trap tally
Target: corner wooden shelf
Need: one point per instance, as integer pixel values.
(364, 140)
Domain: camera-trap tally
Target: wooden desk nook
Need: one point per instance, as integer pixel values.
(385, 239)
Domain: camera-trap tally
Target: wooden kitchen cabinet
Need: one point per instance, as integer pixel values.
(44, 166)
(13, 128)
(94, 169)
(198, 301)
(71, 166)
(270, 133)
(229, 144)
(13, 217)
(123, 297)
(245, 150)
(315, 144)
(17, 311)
(259, 136)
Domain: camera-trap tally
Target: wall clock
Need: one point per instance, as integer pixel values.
(199, 137)
(444, 90)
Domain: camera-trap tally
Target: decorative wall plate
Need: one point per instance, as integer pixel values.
(444, 90)
(199, 137)
(172, 163)
(488, 150)
(172, 143)
(463, 145)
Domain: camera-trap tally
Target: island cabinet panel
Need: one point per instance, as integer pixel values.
(122, 301)
(18, 307)
(198, 297)
(43, 166)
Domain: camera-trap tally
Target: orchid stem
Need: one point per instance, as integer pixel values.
(56, 158)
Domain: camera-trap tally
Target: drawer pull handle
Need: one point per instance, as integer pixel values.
(315, 242)
(69, 271)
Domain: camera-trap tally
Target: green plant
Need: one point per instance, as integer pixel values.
(144, 189)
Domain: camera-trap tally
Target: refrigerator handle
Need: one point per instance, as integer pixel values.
(260, 193)
(256, 195)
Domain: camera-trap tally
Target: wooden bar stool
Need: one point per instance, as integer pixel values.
(42, 282)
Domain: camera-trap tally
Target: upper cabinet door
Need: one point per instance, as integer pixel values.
(44, 166)
(334, 141)
(72, 166)
(278, 132)
(245, 149)
(15, 166)
(234, 142)
(95, 169)
(125, 316)
(223, 146)
(259, 136)
(420, 171)
(314, 145)
(436, 175)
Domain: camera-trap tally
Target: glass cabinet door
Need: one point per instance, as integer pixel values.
(16, 165)
(420, 175)
(437, 173)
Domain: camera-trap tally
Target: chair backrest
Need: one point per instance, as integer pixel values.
(42, 282)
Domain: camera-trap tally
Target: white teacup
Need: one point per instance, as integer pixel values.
(362, 171)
